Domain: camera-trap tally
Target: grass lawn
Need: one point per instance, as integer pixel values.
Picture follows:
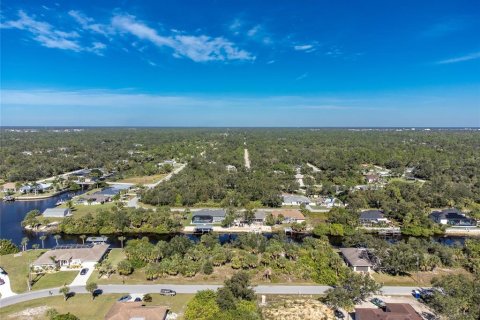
(81, 209)
(422, 278)
(17, 268)
(97, 309)
(143, 179)
(315, 218)
(52, 280)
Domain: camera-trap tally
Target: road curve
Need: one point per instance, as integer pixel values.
(184, 288)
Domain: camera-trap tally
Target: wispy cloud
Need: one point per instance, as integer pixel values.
(302, 76)
(89, 24)
(444, 28)
(199, 48)
(468, 57)
(48, 36)
(308, 47)
(44, 33)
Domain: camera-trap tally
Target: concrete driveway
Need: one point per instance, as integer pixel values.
(81, 280)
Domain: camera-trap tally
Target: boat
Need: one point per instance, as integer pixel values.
(59, 202)
(9, 198)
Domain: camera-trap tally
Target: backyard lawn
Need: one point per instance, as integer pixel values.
(52, 280)
(97, 309)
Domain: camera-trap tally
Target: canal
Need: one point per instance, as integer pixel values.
(12, 214)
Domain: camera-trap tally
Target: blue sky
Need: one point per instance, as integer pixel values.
(240, 63)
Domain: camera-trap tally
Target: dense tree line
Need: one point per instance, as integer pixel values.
(447, 160)
(119, 220)
(313, 259)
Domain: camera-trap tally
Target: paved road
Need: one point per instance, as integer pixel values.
(182, 288)
(167, 177)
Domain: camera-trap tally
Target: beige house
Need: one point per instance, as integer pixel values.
(135, 310)
(357, 259)
(9, 187)
(69, 256)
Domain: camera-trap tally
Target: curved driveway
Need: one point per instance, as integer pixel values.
(184, 288)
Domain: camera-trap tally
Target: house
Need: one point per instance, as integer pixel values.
(372, 217)
(372, 178)
(40, 187)
(452, 217)
(94, 199)
(171, 162)
(69, 256)
(289, 215)
(393, 311)
(357, 259)
(231, 168)
(260, 217)
(207, 216)
(296, 200)
(137, 311)
(9, 187)
(25, 189)
(57, 212)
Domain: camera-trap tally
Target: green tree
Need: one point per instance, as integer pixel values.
(24, 243)
(7, 247)
(208, 267)
(65, 290)
(203, 306)
(42, 238)
(91, 287)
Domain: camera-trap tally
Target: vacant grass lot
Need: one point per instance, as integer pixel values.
(143, 179)
(76, 305)
(416, 278)
(17, 269)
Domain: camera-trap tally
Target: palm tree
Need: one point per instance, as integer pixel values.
(83, 238)
(69, 204)
(43, 240)
(122, 238)
(56, 237)
(65, 290)
(35, 246)
(24, 243)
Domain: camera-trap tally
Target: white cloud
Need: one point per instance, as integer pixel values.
(303, 47)
(471, 56)
(87, 23)
(302, 76)
(197, 48)
(44, 33)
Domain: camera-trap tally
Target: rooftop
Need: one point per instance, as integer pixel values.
(135, 310)
(89, 253)
(356, 257)
(210, 212)
(393, 311)
(290, 198)
(371, 214)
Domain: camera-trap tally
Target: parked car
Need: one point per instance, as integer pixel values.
(125, 298)
(338, 314)
(378, 302)
(83, 271)
(138, 299)
(428, 316)
(167, 292)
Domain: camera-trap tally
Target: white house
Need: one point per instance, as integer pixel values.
(69, 256)
(57, 212)
(296, 200)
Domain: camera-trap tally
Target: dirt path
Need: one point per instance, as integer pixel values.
(247, 159)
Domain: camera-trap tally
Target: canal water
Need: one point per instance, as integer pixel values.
(12, 214)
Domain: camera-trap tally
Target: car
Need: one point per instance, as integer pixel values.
(125, 298)
(378, 302)
(84, 271)
(167, 292)
(138, 299)
(338, 314)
